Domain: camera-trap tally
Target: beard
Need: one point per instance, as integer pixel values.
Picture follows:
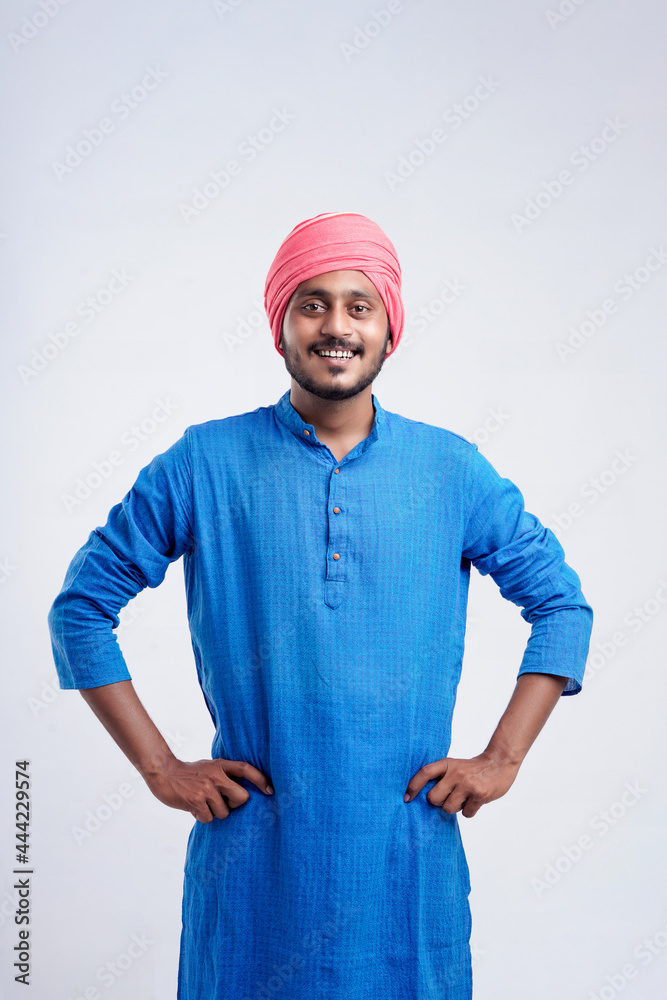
(331, 389)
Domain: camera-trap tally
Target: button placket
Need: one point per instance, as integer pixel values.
(336, 571)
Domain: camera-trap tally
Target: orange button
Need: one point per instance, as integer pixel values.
(336, 510)
(336, 556)
(306, 432)
(336, 470)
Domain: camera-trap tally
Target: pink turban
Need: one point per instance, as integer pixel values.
(335, 241)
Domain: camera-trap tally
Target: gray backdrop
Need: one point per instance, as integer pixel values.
(157, 155)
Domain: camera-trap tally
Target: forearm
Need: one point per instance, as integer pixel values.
(205, 788)
(470, 783)
(534, 698)
(122, 714)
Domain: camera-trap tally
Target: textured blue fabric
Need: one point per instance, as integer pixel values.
(335, 677)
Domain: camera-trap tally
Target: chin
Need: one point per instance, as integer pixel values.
(330, 390)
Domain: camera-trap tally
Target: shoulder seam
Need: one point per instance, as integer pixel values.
(435, 427)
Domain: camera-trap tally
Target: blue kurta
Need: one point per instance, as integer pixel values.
(327, 608)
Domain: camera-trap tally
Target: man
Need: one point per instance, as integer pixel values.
(327, 546)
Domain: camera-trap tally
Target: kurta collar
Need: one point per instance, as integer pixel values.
(292, 419)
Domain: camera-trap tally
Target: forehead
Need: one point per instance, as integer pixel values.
(350, 283)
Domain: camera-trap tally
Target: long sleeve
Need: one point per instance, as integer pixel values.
(527, 562)
(149, 529)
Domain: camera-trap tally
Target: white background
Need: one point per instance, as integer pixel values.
(175, 333)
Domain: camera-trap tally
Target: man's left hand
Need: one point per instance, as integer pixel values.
(464, 784)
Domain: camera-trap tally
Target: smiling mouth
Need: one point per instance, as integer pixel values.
(336, 355)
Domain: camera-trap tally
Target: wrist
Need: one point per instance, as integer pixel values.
(503, 756)
(156, 762)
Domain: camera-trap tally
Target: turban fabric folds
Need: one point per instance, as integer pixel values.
(335, 241)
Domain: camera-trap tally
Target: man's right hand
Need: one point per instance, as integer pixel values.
(205, 788)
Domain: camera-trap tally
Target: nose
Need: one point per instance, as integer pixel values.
(336, 321)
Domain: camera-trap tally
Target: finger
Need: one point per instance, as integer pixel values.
(437, 795)
(202, 813)
(455, 801)
(425, 774)
(235, 801)
(438, 800)
(234, 793)
(243, 769)
(217, 806)
(464, 801)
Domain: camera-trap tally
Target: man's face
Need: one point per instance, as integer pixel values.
(339, 310)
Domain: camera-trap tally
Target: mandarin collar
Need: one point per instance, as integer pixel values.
(288, 416)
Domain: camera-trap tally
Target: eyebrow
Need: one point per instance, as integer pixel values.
(351, 293)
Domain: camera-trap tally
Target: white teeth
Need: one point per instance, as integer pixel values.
(335, 354)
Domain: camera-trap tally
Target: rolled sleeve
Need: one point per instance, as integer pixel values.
(149, 529)
(527, 562)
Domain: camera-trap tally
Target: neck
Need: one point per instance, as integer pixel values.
(335, 418)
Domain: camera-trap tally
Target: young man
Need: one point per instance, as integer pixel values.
(327, 546)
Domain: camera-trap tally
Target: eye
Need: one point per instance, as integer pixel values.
(360, 307)
(316, 304)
